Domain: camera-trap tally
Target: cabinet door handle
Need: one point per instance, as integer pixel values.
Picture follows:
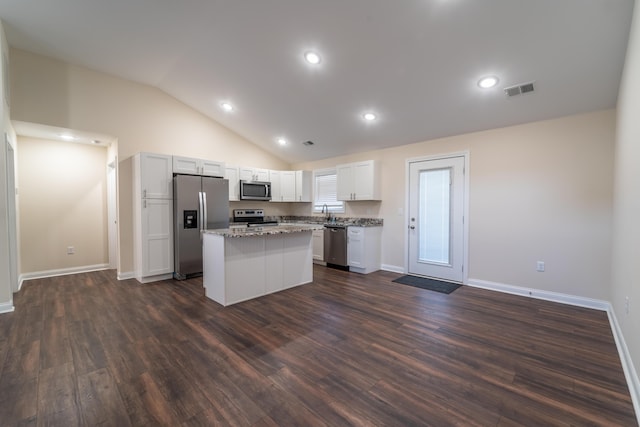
(144, 204)
(144, 193)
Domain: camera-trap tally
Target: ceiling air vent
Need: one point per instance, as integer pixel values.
(519, 89)
(308, 143)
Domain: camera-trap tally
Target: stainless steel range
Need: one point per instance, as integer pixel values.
(251, 217)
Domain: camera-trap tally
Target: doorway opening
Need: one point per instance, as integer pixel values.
(68, 197)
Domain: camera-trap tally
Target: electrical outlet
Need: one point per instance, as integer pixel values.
(626, 305)
(540, 266)
(71, 250)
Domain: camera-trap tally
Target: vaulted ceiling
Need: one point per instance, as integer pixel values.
(414, 64)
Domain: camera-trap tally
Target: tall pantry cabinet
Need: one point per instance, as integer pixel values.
(152, 217)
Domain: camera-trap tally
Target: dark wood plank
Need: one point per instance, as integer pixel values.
(347, 349)
(58, 400)
(100, 400)
(54, 344)
(86, 347)
(145, 403)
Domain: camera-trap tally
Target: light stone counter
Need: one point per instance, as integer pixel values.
(265, 230)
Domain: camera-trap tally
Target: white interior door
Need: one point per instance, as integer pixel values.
(436, 218)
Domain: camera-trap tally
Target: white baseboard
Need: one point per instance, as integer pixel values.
(540, 294)
(126, 276)
(157, 278)
(62, 272)
(132, 275)
(630, 373)
(392, 268)
(6, 307)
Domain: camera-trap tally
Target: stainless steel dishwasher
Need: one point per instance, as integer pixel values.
(335, 246)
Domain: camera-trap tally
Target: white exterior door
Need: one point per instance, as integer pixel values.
(436, 218)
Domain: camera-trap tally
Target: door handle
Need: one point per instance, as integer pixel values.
(413, 227)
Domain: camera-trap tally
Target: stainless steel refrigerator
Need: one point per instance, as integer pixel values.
(199, 203)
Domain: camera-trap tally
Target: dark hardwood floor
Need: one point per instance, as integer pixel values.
(345, 350)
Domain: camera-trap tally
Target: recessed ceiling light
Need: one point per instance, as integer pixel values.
(488, 82)
(281, 141)
(67, 137)
(226, 106)
(312, 57)
(369, 117)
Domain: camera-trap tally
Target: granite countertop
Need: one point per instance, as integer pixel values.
(343, 221)
(264, 231)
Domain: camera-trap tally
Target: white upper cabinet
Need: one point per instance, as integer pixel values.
(344, 182)
(192, 166)
(275, 179)
(283, 186)
(358, 181)
(303, 180)
(288, 186)
(211, 168)
(232, 175)
(254, 174)
(155, 176)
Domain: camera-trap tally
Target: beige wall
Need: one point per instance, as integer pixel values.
(62, 203)
(626, 234)
(142, 118)
(539, 191)
(6, 292)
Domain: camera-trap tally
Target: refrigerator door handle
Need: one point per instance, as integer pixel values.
(201, 210)
(204, 205)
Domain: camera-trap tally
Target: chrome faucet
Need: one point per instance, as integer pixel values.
(325, 209)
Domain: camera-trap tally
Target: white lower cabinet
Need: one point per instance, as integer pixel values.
(363, 249)
(157, 237)
(237, 269)
(318, 246)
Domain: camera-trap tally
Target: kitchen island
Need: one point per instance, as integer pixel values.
(247, 262)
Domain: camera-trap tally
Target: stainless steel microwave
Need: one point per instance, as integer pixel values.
(255, 190)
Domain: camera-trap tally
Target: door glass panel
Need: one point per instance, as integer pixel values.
(434, 216)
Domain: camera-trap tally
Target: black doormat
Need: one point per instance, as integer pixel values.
(429, 284)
